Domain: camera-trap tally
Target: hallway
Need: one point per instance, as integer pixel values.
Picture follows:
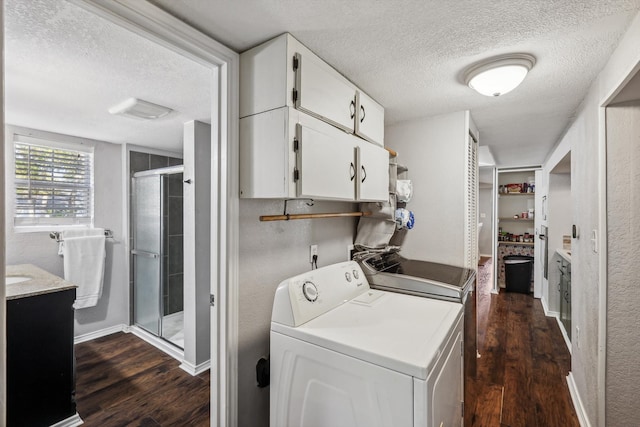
(521, 374)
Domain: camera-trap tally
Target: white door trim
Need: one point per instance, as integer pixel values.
(602, 237)
(155, 24)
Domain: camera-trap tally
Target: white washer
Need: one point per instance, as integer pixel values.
(343, 354)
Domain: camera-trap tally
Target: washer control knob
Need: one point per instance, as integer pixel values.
(355, 274)
(310, 291)
(348, 276)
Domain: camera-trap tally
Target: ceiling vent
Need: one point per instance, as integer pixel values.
(139, 109)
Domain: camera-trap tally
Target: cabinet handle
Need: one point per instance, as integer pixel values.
(363, 113)
(353, 171)
(364, 173)
(352, 108)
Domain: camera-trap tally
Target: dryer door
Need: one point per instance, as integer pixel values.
(315, 387)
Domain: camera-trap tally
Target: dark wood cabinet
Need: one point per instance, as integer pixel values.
(40, 359)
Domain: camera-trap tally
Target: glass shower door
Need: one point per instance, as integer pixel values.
(147, 252)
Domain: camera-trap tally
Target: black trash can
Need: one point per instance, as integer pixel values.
(517, 271)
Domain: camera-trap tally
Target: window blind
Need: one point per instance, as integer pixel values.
(53, 185)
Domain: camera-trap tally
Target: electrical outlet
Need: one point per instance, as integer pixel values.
(313, 250)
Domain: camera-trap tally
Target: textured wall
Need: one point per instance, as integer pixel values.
(37, 248)
(623, 270)
(434, 151)
(583, 139)
(269, 253)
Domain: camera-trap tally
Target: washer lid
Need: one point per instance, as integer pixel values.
(404, 333)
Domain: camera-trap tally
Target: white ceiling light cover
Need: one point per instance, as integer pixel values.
(499, 75)
(140, 109)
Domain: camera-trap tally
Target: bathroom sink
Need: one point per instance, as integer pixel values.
(12, 280)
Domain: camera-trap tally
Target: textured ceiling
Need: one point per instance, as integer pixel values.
(409, 54)
(64, 67)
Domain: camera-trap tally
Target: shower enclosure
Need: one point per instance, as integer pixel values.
(157, 255)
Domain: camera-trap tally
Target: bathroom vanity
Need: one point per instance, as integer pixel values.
(40, 353)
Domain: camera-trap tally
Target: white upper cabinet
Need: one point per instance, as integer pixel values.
(298, 121)
(284, 73)
(369, 122)
(323, 93)
(372, 166)
(325, 163)
(285, 153)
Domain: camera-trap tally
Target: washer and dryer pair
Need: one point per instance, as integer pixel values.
(343, 354)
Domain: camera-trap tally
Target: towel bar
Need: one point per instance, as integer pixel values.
(55, 235)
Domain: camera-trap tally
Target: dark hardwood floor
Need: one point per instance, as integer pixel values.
(123, 381)
(521, 375)
(520, 382)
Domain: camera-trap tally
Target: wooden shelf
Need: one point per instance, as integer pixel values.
(516, 194)
(516, 243)
(515, 219)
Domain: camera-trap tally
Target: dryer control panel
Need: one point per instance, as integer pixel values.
(307, 296)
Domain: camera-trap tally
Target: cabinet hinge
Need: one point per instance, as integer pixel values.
(212, 300)
(296, 144)
(462, 409)
(296, 174)
(295, 95)
(295, 63)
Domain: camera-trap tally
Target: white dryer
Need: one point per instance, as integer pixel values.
(343, 354)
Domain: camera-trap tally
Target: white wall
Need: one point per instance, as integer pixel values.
(559, 223)
(485, 206)
(583, 138)
(3, 364)
(269, 253)
(39, 249)
(197, 242)
(434, 150)
(623, 297)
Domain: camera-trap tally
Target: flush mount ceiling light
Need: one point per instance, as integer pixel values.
(499, 75)
(139, 109)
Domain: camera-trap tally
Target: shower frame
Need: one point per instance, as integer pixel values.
(157, 253)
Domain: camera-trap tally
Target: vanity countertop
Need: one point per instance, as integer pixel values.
(564, 254)
(40, 282)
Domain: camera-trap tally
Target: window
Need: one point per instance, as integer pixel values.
(53, 182)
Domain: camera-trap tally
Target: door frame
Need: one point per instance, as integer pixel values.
(601, 243)
(151, 22)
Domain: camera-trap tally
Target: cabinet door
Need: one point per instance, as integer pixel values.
(373, 173)
(325, 163)
(323, 92)
(369, 119)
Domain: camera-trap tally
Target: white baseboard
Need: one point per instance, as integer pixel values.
(72, 421)
(158, 343)
(577, 402)
(194, 370)
(101, 333)
(567, 341)
(547, 312)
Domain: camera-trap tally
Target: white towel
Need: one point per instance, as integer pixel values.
(77, 232)
(84, 259)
